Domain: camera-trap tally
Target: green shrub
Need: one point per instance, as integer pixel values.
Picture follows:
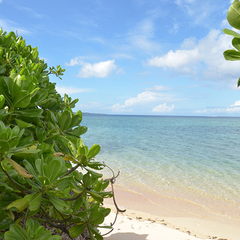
(40, 152)
(233, 17)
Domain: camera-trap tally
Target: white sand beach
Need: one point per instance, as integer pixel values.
(135, 229)
(146, 220)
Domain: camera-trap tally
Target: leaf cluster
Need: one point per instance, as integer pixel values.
(233, 17)
(48, 176)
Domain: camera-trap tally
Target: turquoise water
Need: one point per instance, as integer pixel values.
(182, 155)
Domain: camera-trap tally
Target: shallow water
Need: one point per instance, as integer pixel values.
(189, 157)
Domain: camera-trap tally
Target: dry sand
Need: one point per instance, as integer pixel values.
(167, 219)
(128, 228)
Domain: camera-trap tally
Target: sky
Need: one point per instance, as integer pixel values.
(134, 57)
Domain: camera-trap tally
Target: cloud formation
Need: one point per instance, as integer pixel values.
(230, 109)
(163, 108)
(146, 99)
(100, 69)
(202, 60)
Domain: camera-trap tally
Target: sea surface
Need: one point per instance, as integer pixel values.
(195, 156)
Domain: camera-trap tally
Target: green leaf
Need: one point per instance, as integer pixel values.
(238, 83)
(77, 131)
(233, 15)
(231, 33)
(31, 170)
(24, 151)
(96, 196)
(93, 151)
(32, 227)
(65, 120)
(23, 124)
(44, 180)
(40, 134)
(5, 223)
(76, 230)
(94, 233)
(20, 204)
(96, 165)
(21, 99)
(232, 55)
(2, 100)
(35, 202)
(16, 232)
(78, 204)
(87, 181)
(60, 205)
(236, 43)
(95, 174)
(4, 147)
(97, 218)
(52, 170)
(29, 112)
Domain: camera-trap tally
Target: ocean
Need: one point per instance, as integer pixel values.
(194, 158)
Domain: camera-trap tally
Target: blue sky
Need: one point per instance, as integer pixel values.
(160, 57)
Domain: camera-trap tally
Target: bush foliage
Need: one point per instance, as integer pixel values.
(233, 18)
(41, 153)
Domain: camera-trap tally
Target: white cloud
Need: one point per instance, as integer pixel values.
(203, 59)
(230, 109)
(163, 108)
(70, 90)
(75, 61)
(177, 59)
(144, 99)
(119, 108)
(101, 69)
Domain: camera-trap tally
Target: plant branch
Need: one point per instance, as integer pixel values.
(52, 219)
(73, 199)
(71, 170)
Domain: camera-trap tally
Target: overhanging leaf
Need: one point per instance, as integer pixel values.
(233, 15)
(22, 171)
(236, 43)
(232, 55)
(93, 151)
(231, 33)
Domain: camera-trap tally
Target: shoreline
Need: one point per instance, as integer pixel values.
(175, 213)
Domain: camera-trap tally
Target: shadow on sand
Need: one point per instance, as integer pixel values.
(127, 236)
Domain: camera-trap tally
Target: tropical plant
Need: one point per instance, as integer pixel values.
(48, 176)
(233, 17)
